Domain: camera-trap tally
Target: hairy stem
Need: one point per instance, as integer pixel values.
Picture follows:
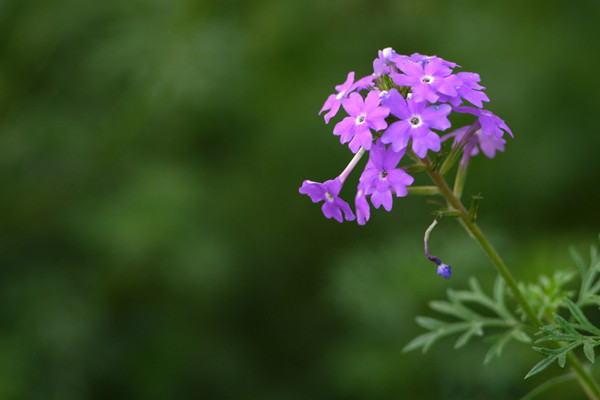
(589, 385)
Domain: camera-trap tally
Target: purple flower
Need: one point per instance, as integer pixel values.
(488, 144)
(381, 178)
(363, 211)
(427, 80)
(364, 116)
(334, 101)
(329, 192)
(416, 122)
(364, 83)
(490, 123)
(467, 88)
(386, 62)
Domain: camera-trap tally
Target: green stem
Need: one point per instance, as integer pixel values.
(459, 182)
(423, 190)
(589, 385)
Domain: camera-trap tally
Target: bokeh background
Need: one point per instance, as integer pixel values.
(153, 242)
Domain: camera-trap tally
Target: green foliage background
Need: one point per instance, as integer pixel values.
(152, 239)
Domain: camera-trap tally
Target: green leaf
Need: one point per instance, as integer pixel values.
(564, 324)
(499, 288)
(539, 367)
(430, 323)
(588, 292)
(479, 298)
(588, 350)
(579, 261)
(426, 340)
(501, 341)
(452, 309)
(577, 330)
(552, 355)
(473, 206)
(581, 318)
(465, 337)
(466, 322)
(474, 285)
(521, 336)
(559, 336)
(423, 341)
(546, 296)
(547, 352)
(593, 298)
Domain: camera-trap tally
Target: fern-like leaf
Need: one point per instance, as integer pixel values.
(569, 335)
(467, 322)
(590, 285)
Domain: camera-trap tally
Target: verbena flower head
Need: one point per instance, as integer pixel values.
(399, 110)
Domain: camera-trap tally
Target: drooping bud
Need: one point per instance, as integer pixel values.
(443, 269)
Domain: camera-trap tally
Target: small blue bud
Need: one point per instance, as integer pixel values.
(444, 270)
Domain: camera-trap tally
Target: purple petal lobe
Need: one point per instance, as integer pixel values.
(328, 191)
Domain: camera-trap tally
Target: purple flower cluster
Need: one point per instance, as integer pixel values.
(399, 109)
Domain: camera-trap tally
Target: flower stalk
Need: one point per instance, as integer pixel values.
(585, 379)
(352, 164)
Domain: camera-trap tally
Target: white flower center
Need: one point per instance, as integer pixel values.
(428, 79)
(328, 197)
(415, 121)
(361, 119)
(340, 94)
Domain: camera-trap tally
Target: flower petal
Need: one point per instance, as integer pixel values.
(430, 141)
(353, 104)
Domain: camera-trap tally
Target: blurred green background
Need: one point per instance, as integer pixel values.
(153, 241)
